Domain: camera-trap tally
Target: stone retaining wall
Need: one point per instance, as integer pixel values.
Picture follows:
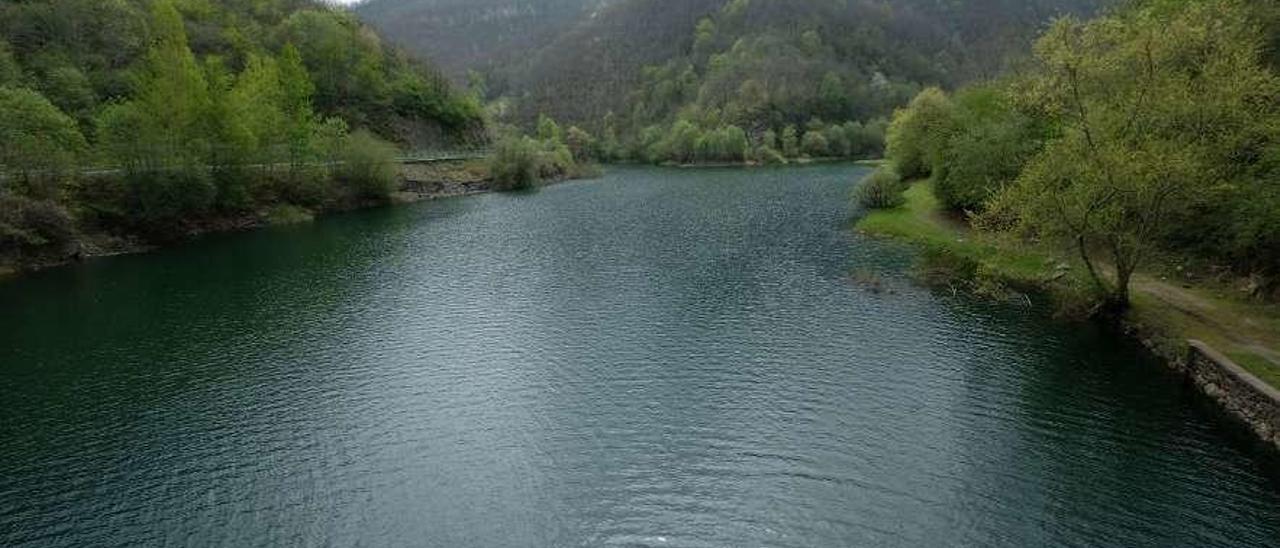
(1245, 396)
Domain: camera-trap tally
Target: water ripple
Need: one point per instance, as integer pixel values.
(660, 358)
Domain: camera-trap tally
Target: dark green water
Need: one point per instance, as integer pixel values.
(657, 358)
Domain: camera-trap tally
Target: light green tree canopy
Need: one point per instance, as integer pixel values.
(1149, 105)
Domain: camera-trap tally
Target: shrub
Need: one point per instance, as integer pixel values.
(310, 187)
(583, 146)
(161, 198)
(285, 214)
(882, 189)
(32, 226)
(514, 164)
(367, 166)
(554, 161)
(768, 155)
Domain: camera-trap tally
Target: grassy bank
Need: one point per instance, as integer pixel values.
(1164, 315)
(921, 221)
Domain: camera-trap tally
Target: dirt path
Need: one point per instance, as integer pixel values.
(1246, 331)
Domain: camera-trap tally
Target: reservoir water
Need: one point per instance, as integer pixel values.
(655, 358)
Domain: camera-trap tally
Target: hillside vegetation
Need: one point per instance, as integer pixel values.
(1146, 140)
(153, 118)
(476, 35)
(682, 81)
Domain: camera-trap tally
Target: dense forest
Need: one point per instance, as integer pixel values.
(681, 82)
(465, 36)
(147, 118)
(1148, 135)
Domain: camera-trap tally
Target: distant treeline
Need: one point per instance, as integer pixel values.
(683, 82)
(1151, 133)
(144, 117)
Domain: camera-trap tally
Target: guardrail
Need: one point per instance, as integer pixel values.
(433, 156)
(416, 157)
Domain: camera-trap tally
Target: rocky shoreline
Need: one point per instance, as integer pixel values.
(1248, 399)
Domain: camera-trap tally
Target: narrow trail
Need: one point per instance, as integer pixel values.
(1245, 331)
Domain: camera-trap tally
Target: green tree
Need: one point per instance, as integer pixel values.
(790, 142)
(918, 134)
(736, 145)
(300, 120)
(41, 143)
(815, 144)
(987, 149)
(549, 130)
(10, 71)
(68, 88)
(163, 137)
(837, 141)
(171, 98)
(347, 65)
(866, 140)
(1148, 104)
(680, 145)
(833, 96)
(769, 139)
(704, 37)
(581, 144)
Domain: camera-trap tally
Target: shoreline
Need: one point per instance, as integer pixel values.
(1206, 340)
(419, 183)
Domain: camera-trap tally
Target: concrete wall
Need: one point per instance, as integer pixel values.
(1245, 396)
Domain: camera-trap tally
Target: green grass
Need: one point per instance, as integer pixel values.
(1232, 326)
(1235, 328)
(1259, 366)
(920, 221)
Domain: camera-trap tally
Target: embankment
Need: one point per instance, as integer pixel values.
(1222, 346)
(1240, 393)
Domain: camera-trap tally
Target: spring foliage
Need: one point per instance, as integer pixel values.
(147, 115)
(1150, 131)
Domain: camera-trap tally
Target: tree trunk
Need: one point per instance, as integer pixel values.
(1118, 301)
(1083, 247)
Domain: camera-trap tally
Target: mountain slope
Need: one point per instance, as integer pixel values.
(645, 60)
(476, 34)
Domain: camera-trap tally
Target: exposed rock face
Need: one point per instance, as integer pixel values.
(1246, 397)
(442, 179)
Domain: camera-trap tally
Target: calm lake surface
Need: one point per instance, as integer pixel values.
(656, 358)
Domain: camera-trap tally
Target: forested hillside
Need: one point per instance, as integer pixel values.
(146, 117)
(637, 72)
(479, 35)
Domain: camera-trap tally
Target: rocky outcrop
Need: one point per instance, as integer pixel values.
(443, 179)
